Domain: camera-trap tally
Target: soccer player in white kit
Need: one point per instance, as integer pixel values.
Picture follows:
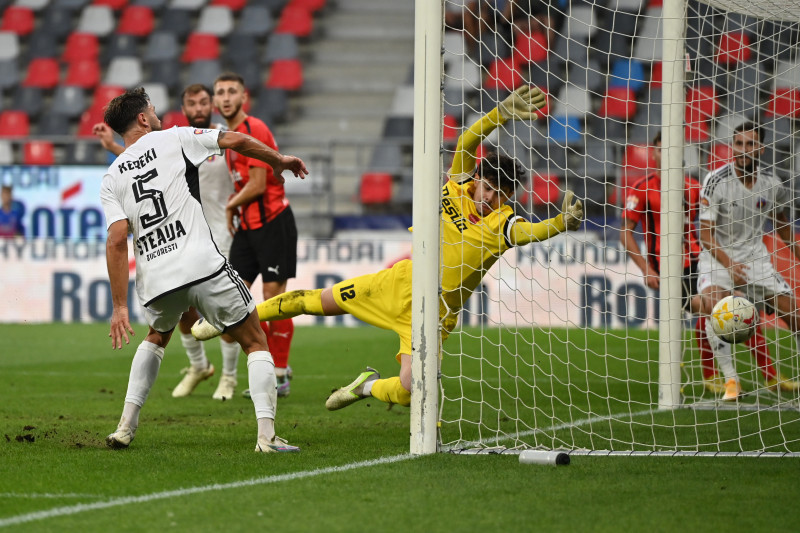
(216, 187)
(151, 190)
(735, 202)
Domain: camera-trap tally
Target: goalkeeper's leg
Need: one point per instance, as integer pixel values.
(397, 389)
(290, 304)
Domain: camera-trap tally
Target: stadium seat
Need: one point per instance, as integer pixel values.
(137, 21)
(88, 119)
(398, 128)
(235, 5)
(74, 5)
(312, 5)
(191, 5)
(28, 99)
(256, 21)
(240, 49)
(545, 189)
(84, 73)
(637, 161)
(784, 102)
(572, 101)
(155, 5)
(205, 71)
(376, 188)
(216, 20)
(166, 72)
(271, 105)
(42, 73)
(281, 46)
(656, 75)
(275, 6)
(56, 22)
(733, 48)
(103, 94)
(6, 153)
(19, 20)
(120, 45)
(627, 73)
(116, 5)
(450, 128)
(9, 46)
(174, 118)
(96, 20)
(35, 5)
(581, 21)
(387, 157)
(285, 74)
(787, 73)
(68, 101)
(83, 153)
(295, 20)
(570, 51)
(647, 44)
(38, 153)
(503, 74)
(591, 76)
(564, 130)
(177, 22)
(54, 124)
(697, 132)
(779, 133)
(159, 96)
(530, 47)
(81, 46)
(14, 123)
(161, 46)
(619, 103)
(124, 72)
(403, 101)
(720, 155)
(701, 103)
(200, 46)
(9, 74)
(41, 43)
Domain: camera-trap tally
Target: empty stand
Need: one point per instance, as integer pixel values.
(256, 21)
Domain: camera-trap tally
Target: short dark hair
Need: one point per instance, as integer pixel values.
(121, 112)
(657, 138)
(229, 76)
(196, 88)
(750, 126)
(503, 172)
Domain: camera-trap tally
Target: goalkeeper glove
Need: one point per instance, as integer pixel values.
(522, 104)
(572, 213)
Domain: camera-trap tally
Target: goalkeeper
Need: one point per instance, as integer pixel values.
(477, 227)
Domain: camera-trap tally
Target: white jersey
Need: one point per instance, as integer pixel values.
(154, 185)
(739, 213)
(216, 186)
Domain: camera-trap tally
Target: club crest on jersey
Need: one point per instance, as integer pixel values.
(704, 202)
(631, 202)
(473, 218)
(761, 203)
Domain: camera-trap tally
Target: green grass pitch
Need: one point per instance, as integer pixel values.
(192, 465)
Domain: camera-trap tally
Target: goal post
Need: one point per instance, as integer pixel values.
(563, 345)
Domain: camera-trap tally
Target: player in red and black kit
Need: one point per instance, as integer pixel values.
(265, 241)
(643, 206)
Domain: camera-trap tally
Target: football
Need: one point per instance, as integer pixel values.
(734, 319)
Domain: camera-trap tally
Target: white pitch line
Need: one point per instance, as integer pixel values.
(53, 496)
(125, 500)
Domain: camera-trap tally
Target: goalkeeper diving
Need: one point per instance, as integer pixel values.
(477, 228)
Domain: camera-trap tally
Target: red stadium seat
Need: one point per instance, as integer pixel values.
(38, 153)
(638, 161)
(784, 101)
(720, 155)
(697, 132)
(174, 118)
(503, 74)
(545, 190)
(376, 188)
(530, 47)
(233, 5)
(733, 48)
(89, 118)
(311, 5)
(655, 75)
(701, 104)
(285, 74)
(296, 21)
(116, 5)
(103, 94)
(619, 103)
(19, 20)
(43, 72)
(85, 74)
(450, 128)
(136, 21)
(14, 124)
(200, 46)
(80, 46)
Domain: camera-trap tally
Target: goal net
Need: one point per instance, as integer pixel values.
(563, 345)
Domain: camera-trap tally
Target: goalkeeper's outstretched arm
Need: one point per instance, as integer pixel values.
(570, 218)
(522, 104)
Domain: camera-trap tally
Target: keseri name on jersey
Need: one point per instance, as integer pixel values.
(158, 237)
(136, 164)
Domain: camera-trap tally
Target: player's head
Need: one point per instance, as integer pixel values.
(196, 105)
(229, 94)
(496, 180)
(747, 146)
(130, 109)
(6, 195)
(655, 147)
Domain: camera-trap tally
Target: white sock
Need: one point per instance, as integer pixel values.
(194, 351)
(722, 353)
(144, 370)
(263, 385)
(368, 387)
(230, 357)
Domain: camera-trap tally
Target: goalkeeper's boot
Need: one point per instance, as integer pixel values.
(225, 389)
(782, 383)
(192, 377)
(203, 331)
(353, 392)
(121, 438)
(283, 381)
(276, 445)
(732, 390)
(714, 384)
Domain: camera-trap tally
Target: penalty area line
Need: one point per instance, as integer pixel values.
(165, 495)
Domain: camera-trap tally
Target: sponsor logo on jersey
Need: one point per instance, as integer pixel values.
(199, 131)
(473, 218)
(761, 203)
(149, 242)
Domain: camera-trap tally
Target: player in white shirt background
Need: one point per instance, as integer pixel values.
(216, 187)
(735, 202)
(152, 191)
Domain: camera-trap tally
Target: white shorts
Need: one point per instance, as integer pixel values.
(763, 281)
(224, 301)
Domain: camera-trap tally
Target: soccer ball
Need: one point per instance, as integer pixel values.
(734, 319)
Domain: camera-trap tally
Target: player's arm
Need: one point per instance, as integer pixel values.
(106, 138)
(628, 240)
(252, 191)
(784, 229)
(522, 104)
(522, 232)
(252, 147)
(117, 263)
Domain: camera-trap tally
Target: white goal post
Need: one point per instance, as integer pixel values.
(563, 346)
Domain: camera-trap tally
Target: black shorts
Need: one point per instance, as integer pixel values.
(270, 250)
